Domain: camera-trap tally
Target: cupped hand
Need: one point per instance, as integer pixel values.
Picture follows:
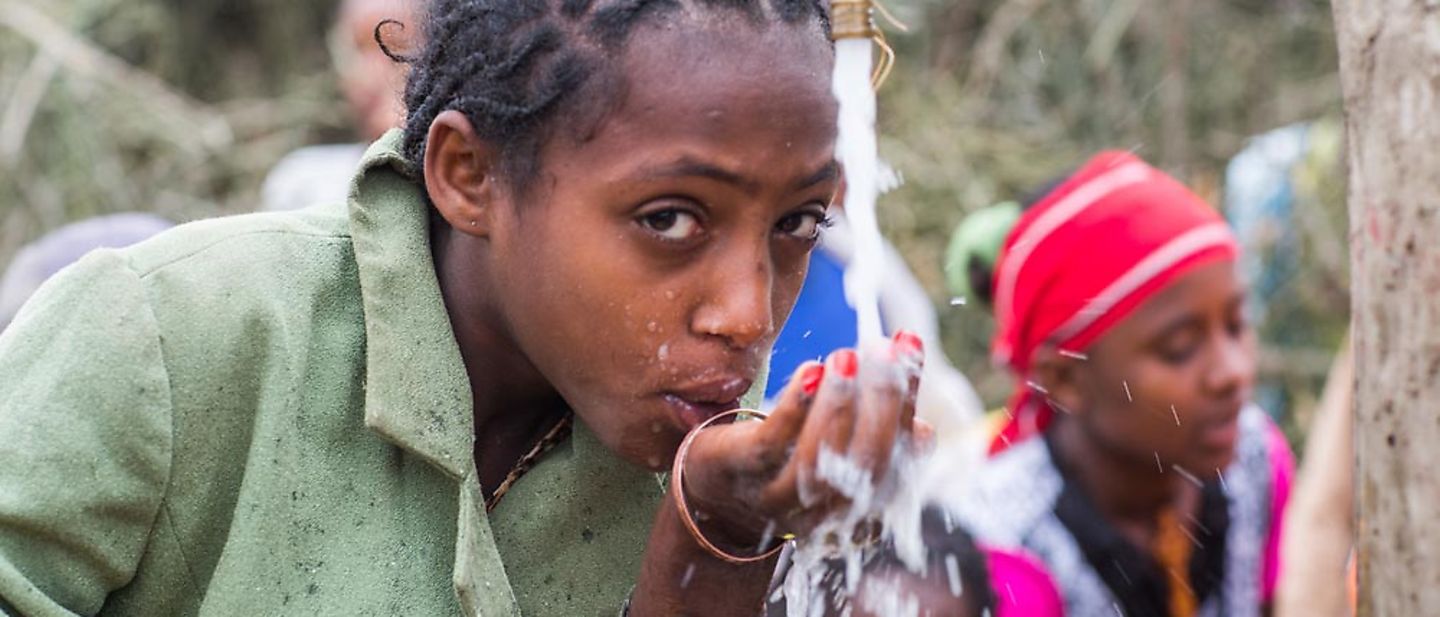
(828, 442)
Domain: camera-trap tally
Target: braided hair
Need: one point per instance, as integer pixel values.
(513, 66)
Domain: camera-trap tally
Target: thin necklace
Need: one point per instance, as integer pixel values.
(557, 434)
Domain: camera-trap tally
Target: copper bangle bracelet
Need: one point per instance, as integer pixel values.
(677, 488)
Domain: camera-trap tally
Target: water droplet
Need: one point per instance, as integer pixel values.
(952, 570)
(669, 294)
(655, 427)
(652, 326)
(663, 352)
(689, 572)
(1127, 391)
(957, 301)
(1185, 473)
(654, 462)
(1176, 414)
(1042, 55)
(807, 334)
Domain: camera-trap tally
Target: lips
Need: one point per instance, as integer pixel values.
(1222, 433)
(695, 403)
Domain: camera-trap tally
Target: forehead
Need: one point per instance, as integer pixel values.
(716, 78)
(359, 12)
(1208, 289)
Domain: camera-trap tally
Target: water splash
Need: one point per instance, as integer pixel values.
(890, 505)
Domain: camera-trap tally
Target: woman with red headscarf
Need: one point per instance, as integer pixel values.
(1130, 460)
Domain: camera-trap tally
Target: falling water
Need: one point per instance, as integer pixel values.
(895, 501)
(858, 153)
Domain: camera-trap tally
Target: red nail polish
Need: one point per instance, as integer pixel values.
(810, 379)
(908, 343)
(846, 363)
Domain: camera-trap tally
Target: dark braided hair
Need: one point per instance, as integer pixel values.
(511, 66)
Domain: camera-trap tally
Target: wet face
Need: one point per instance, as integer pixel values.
(1170, 379)
(648, 267)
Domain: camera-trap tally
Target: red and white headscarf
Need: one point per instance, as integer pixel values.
(1086, 255)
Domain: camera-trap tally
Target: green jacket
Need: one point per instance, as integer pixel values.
(268, 415)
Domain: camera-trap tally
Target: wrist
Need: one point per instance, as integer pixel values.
(734, 534)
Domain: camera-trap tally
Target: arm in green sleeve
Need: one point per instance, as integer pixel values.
(85, 439)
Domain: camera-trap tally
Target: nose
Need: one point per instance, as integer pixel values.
(1233, 369)
(737, 307)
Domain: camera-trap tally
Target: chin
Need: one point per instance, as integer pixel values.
(1209, 461)
(636, 441)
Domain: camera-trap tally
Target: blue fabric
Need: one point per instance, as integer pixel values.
(821, 322)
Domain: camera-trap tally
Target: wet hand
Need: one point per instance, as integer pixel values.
(828, 442)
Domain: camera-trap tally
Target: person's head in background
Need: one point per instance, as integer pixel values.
(369, 80)
(41, 259)
(1120, 313)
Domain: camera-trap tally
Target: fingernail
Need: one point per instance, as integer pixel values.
(907, 343)
(845, 363)
(810, 379)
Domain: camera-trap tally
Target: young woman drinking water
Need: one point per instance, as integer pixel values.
(451, 394)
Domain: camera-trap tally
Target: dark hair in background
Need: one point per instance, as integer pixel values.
(513, 66)
(982, 275)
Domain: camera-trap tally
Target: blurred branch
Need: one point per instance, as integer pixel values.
(1106, 39)
(1310, 362)
(30, 89)
(1174, 102)
(991, 47)
(200, 130)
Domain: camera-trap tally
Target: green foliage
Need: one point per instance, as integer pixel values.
(193, 100)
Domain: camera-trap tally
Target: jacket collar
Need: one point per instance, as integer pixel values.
(417, 394)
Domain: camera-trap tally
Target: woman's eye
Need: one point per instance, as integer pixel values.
(673, 224)
(1177, 356)
(1179, 348)
(1239, 324)
(802, 225)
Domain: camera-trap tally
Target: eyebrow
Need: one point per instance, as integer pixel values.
(1187, 321)
(1190, 319)
(690, 168)
(829, 171)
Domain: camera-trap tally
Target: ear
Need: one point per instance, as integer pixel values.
(1060, 376)
(460, 174)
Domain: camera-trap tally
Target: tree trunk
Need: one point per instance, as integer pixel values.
(1390, 75)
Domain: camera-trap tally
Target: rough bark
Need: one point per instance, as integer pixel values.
(1390, 76)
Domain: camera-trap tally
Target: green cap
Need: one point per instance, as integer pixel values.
(979, 237)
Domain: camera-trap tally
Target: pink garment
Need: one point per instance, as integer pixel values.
(1282, 475)
(1022, 585)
